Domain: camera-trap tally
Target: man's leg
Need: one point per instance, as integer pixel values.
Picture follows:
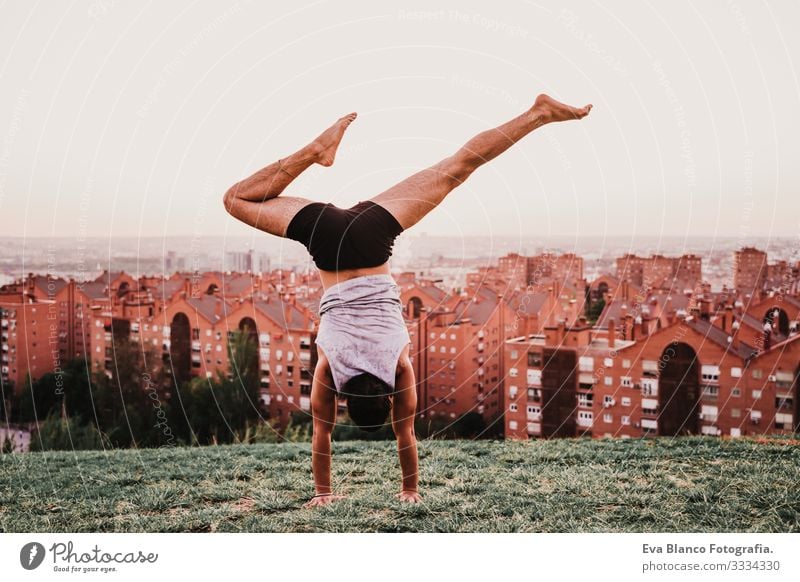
(245, 200)
(411, 199)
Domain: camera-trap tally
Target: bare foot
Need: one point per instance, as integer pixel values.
(327, 143)
(547, 109)
(409, 497)
(324, 500)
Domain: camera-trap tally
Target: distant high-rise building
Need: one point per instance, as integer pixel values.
(242, 262)
(170, 262)
(660, 271)
(749, 270)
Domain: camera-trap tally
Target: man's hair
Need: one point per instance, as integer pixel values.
(368, 402)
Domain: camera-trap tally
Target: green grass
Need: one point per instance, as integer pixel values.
(565, 485)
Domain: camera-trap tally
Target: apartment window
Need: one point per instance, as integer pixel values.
(708, 413)
(736, 413)
(736, 392)
(512, 425)
(608, 418)
(626, 382)
(512, 407)
(736, 372)
(649, 387)
(756, 394)
(650, 368)
(626, 363)
(626, 420)
(586, 364)
(608, 381)
(784, 380)
(514, 354)
(608, 400)
(608, 362)
(585, 400)
(783, 421)
(534, 394)
(626, 401)
(513, 372)
(585, 418)
(710, 391)
(709, 373)
(534, 377)
(535, 359)
(649, 407)
(757, 374)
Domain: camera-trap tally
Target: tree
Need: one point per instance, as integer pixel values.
(224, 408)
(60, 433)
(595, 310)
(469, 425)
(130, 405)
(71, 386)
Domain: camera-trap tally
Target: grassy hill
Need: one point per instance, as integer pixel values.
(567, 485)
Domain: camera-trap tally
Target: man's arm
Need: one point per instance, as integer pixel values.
(323, 409)
(404, 410)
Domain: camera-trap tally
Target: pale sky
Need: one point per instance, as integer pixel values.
(133, 118)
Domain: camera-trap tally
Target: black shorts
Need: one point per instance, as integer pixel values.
(345, 238)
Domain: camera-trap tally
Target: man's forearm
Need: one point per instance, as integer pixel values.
(321, 462)
(409, 462)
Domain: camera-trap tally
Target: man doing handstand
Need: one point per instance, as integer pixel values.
(362, 341)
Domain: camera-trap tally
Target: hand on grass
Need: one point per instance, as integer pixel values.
(409, 497)
(322, 500)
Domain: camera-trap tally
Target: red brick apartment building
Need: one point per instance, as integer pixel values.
(749, 270)
(692, 375)
(457, 340)
(660, 271)
(28, 340)
(186, 319)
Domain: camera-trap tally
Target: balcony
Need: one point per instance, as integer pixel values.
(649, 424)
(709, 374)
(534, 377)
(708, 413)
(709, 392)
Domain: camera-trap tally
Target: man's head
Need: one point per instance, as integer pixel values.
(368, 402)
